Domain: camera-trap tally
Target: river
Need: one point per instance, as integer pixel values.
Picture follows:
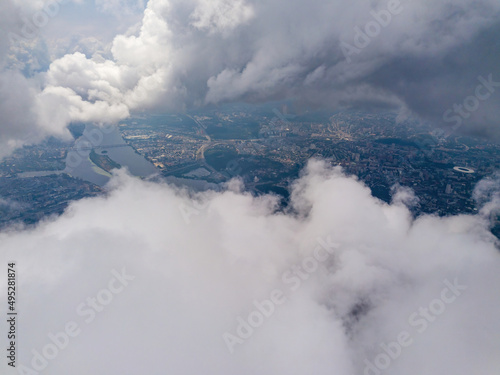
(78, 163)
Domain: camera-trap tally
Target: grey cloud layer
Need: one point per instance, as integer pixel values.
(192, 281)
(425, 59)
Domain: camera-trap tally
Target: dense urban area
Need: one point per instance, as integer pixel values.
(267, 147)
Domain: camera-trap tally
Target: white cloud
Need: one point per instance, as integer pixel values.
(120, 7)
(221, 15)
(193, 280)
(487, 195)
(17, 98)
(199, 52)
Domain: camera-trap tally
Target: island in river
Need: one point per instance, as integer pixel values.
(103, 161)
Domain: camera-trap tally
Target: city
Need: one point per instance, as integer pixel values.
(267, 148)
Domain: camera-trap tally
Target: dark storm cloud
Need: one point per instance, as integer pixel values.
(432, 85)
(424, 58)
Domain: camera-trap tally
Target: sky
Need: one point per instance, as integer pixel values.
(150, 278)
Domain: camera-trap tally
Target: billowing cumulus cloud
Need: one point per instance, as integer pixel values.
(221, 15)
(437, 60)
(19, 57)
(487, 195)
(149, 279)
